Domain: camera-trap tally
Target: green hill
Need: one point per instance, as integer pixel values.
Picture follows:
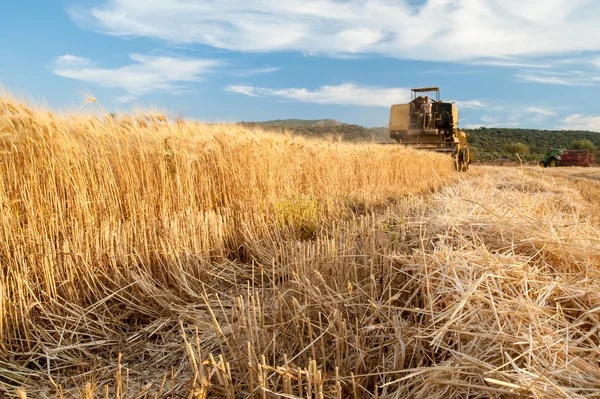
(301, 122)
(327, 128)
(487, 144)
(491, 143)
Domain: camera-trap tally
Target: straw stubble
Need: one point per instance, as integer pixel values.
(162, 259)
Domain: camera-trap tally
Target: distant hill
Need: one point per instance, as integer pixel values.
(327, 128)
(487, 144)
(302, 122)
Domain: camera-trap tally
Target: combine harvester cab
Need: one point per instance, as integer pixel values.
(562, 157)
(412, 125)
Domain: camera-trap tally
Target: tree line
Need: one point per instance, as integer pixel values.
(490, 144)
(487, 144)
(341, 131)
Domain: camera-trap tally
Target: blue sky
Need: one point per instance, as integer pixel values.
(510, 63)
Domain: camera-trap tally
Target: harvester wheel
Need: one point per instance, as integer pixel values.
(552, 163)
(465, 158)
(461, 159)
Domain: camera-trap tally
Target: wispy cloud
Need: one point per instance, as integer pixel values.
(256, 71)
(550, 80)
(344, 94)
(505, 30)
(557, 78)
(539, 114)
(514, 115)
(490, 121)
(581, 122)
(145, 75)
(246, 90)
(470, 104)
(569, 71)
(540, 111)
(511, 64)
(447, 72)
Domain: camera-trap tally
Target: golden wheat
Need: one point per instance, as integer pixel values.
(103, 219)
(148, 259)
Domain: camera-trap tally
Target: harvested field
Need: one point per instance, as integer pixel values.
(148, 259)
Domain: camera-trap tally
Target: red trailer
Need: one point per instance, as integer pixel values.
(577, 158)
(560, 157)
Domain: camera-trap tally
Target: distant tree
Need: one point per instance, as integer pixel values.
(535, 157)
(475, 153)
(516, 148)
(583, 144)
(487, 144)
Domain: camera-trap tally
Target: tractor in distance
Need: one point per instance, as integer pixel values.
(430, 125)
(562, 157)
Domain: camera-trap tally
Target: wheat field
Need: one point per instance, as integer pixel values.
(148, 258)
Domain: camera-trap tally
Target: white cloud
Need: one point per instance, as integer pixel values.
(514, 115)
(432, 30)
(581, 122)
(72, 61)
(498, 121)
(247, 90)
(571, 78)
(147, 74)
(555, 71)
(344, 94)
(551, 80)
(257, 71)
(511, 64)
(540, 111)
(470, 104)
(539, 114)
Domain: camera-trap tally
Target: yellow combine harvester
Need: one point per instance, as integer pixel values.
(430, 124)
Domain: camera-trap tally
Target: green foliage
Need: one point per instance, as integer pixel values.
(583, 144)
(487, 144)
(516, 148)
(301, 122)
(326, 128)
(490, 144)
